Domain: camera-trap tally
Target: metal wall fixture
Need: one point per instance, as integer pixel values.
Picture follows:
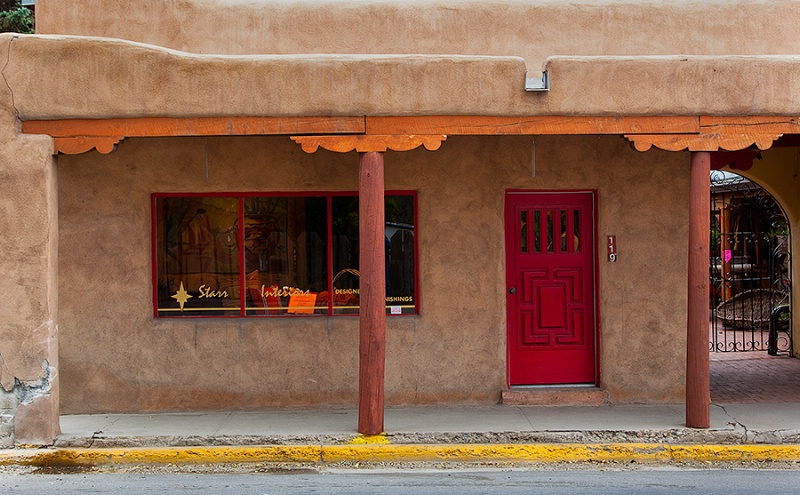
(538, 83)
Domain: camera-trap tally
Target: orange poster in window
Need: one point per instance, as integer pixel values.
(302, 303)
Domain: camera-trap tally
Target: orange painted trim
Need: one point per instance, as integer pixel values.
(78, 145)
(537, 125)
(674, 133)
(454, 125)
(195, 126)
(751, 125)
(369, 143)
(704, 141)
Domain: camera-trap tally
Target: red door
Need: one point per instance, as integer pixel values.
(550, 288)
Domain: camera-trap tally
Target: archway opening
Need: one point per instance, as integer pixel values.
(750, 268)
(750, 337)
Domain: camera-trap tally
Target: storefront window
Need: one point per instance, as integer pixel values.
(274, 255)
(285, 260)
(198, 256)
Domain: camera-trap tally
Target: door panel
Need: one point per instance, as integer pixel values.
(550, 277)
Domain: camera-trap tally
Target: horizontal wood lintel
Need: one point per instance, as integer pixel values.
(77, 134)
(452, 125)
(195, 126)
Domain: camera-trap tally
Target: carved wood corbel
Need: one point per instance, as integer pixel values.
(702, 142)
(78, 145)
(366, 143)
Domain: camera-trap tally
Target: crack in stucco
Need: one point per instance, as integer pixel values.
(22, 393)
(5, 80)
(29, 391)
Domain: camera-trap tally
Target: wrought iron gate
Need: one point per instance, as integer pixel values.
(750, 268)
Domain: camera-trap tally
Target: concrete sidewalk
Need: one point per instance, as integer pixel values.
(739, 432)
(777, 423)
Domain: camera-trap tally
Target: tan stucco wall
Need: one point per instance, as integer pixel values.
(100, 78)
(116, 357)
(531, 29)
(28, 240)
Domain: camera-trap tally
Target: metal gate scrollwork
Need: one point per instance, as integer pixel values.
(750, 268)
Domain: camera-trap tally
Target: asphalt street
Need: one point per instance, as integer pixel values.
(667, 480)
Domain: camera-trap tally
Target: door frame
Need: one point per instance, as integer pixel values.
(595, 271)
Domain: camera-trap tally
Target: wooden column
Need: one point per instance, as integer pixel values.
(372, 345)
(698, 395)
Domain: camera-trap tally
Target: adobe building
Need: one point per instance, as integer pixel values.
(230, 205)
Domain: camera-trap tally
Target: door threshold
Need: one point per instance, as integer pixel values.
(555, 395)
(555, 385)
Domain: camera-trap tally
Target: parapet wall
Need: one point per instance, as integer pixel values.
(531, 29)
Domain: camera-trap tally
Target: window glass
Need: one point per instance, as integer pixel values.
(344, 222)
(285, 255)
(400, 243)
(275, 255)
(197, 254)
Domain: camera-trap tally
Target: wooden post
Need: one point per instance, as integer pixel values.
(372, 284)
(698, 395)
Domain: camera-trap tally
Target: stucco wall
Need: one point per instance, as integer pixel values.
(102, 78)
(28, 234)
(116, 357)
(532, 29)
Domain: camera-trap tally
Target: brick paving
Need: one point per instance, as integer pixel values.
(754, 377)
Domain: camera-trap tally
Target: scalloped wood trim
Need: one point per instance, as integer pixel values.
(367, 143)
(78, 145)
(702, 142)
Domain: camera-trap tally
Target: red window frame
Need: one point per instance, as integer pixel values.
(240, 197)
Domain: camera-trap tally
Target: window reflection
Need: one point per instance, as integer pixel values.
(199, 262)
(285, 241)
(251, 255)
(523, 231)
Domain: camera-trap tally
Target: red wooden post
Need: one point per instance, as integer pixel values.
(698, 395)
(372, 284)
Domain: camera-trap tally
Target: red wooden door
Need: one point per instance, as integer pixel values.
(550, 246)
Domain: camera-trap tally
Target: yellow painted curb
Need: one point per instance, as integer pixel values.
(371, 440)
(172, 455)
(409, 453)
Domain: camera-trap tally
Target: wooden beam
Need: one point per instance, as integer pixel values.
(195, 126)
(541, 125)
(365, 134)
(763, 124)
(372, 289)
(698, 395)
